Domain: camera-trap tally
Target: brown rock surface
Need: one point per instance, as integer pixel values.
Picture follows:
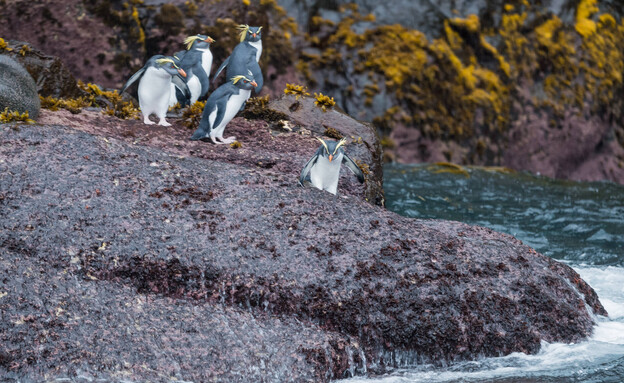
(132, 253)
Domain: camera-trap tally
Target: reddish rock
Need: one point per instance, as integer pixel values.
(130, 252)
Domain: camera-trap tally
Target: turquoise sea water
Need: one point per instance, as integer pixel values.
(581, 224)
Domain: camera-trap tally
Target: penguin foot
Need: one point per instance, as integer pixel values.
(228, 140)
(214, 140)
(147, 121)
(163, 122)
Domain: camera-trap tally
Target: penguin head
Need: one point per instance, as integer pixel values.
(332, 149)
(251, 34)
(169, 66)
(244, 82)
(198, 42)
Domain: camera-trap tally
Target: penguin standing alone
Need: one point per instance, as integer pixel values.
(157, 75)
(197, 62)
(222, 106)
(245, 56)
(323, 169)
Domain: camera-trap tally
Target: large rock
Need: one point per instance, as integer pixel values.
(52, 78)
(18, 91)
(137, 254)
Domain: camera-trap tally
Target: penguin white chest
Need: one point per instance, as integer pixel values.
(232, 107)
(206, 61)
(154, 91)
(194, 87)
(258, 46)
(324, 174)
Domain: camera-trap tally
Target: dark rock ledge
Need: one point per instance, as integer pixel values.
(129, 253)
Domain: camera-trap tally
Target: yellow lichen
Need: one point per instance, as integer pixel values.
(14, 116)
(324, 102)
(585, 26)
(463, 84)
(191, 116)
(24, 49)
(296, 90)
(135, 17)
(4, 46)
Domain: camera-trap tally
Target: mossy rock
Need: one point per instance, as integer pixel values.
(18, 91)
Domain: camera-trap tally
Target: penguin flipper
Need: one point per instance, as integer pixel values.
(204, 80)
(132, 79)
(223, 65)
(305, 172)
(353, 167)
(181, 84)
(257, 73)
(221, 107)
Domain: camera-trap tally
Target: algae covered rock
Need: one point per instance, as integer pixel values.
(18, 91)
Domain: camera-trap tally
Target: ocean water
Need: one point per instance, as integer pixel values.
(581, 224)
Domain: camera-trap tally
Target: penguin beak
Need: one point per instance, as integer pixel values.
(255, 84)
(182, 72)
(209, 40)
(331, 157)
(254, 35)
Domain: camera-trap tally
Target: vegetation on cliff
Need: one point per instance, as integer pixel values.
(463, 85)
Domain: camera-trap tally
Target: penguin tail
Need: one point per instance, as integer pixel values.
(132, 79)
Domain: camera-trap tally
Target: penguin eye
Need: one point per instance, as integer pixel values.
(245, 81)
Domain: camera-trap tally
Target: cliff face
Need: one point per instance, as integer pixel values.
(510, 84)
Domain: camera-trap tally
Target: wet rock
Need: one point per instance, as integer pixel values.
(17, 89)
(129, 256)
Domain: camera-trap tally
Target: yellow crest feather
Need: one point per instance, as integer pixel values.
(165, 60)
(324, 144)
(190, 40)
(236, 79)
(341, 143)
(243, 28)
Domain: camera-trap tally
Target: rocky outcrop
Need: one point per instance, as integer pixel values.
(17, 89)
(134, 253)
(51, 76)
(362, 140)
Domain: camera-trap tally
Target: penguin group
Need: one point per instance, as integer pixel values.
(184, 78)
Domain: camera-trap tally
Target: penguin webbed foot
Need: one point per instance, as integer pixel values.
(228, 140)
(163, 122)
(223, 141)
(147, 121)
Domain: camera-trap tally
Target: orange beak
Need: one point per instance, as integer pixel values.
(209, 40)
(331, 157)
(254, 35)
(182, 72)
(255, 84)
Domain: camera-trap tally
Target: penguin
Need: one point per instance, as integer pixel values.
(323, 169)
(157, 75)
(222, 106)
(245, 56)
(197, 62)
